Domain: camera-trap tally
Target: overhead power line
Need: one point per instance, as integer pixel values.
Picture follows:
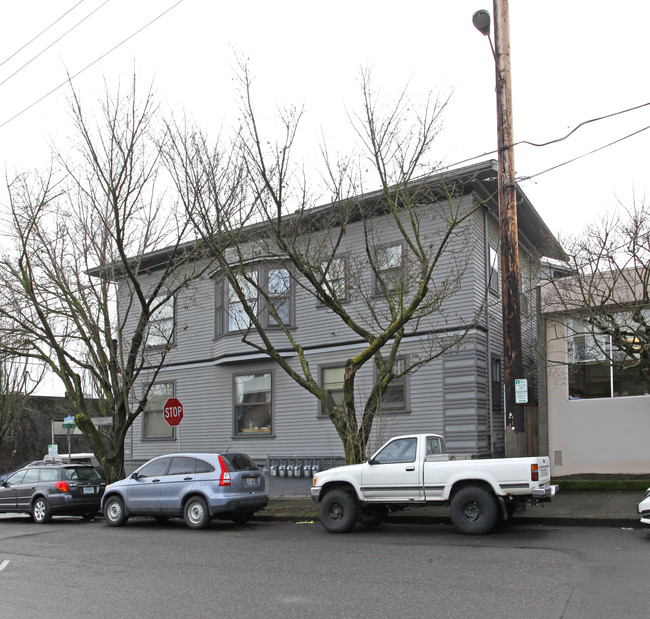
(71, 77)
(582, 124)
(591, 152)
(41, 33)
(54, 42)
(554, 141)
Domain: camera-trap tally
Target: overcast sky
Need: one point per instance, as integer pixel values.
(571, 62)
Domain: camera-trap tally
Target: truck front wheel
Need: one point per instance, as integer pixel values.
(338, 511)
(474, 510)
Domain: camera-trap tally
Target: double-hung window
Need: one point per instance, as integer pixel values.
(389, 264)
(238, 318)
(335, 271)
(253, 404)
(278, 287)
(395, 398)
(331, 379)
(160, 330)
(248, 290)
(154, 425)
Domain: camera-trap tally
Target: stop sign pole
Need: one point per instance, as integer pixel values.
(173, 413)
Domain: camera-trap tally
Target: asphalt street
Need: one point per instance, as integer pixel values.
(287, 569)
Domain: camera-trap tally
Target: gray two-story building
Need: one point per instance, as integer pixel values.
(235, 397)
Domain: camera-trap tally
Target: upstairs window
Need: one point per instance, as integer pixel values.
(160, 330)
(238, 319)
(230, 312)
(389, 265)
(278, 286)
(493, 273)
(335, 278)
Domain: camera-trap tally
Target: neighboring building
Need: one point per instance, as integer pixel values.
(235, 398)
(33, 430)
(598, 411)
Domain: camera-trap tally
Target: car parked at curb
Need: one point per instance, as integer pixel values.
(194, 486)
(53, 489)
(11, 471)
(644, 508)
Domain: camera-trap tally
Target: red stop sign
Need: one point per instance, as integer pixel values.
(173, 411)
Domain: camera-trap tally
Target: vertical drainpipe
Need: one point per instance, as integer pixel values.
(486, 254)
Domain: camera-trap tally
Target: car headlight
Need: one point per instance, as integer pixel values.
(645, 496)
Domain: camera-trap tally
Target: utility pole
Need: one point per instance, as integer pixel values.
(508, 229)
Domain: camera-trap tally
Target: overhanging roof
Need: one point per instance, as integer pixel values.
(480, 178)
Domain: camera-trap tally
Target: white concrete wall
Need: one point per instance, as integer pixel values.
(604, 435)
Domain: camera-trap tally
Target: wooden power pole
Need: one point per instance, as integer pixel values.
(509, 234)
(516, 443)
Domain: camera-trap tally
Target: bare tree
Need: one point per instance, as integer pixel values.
(607, 300)
(81, 286)
(380, 294)
(19, 378)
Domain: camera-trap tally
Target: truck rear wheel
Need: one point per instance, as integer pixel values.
(474, 510)
(338, 511)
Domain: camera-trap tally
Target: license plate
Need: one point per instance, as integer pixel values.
(251, 481)
(543, 471)
(89, 490)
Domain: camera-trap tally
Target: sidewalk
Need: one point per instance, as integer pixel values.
(613, 509)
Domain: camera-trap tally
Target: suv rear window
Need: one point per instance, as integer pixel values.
(86, 473)
(240, 462)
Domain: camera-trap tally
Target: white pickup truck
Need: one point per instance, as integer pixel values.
(415, 470)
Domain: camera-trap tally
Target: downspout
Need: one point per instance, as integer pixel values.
(486, 254)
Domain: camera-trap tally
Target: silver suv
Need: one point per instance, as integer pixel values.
(195, 486)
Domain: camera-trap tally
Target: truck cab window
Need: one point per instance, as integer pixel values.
(435, 446)
(400, 450)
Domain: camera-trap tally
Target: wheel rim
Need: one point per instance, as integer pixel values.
(471, 510)
(335, 511)
(195, 513)
(39, 510)
(114, 511)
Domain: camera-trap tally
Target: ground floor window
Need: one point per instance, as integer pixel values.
(253, 403)
(331, 378)
(394, 399)
(154, 424)
(597, 370)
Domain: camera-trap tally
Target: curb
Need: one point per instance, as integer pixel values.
(516, 521)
